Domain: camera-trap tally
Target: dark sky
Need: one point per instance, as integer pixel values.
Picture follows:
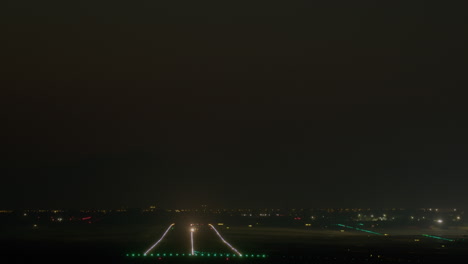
(233, 104)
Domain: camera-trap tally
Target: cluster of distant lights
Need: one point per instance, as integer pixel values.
(198, 254)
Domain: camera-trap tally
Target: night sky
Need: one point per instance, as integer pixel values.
(106, 104)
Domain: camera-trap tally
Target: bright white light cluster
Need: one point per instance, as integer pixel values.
(225, 242)
(155, 244)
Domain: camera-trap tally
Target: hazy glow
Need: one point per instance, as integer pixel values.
(225, 242)
(155, 244)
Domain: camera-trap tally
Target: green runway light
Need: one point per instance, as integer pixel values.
(440, 238)
(359, 229)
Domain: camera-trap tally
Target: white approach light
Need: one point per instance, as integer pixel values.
(167, 230)
(225, 242)
(191, 239)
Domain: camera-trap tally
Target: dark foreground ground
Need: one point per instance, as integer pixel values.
(110, 243)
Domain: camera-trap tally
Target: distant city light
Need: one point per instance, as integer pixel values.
(440, 221)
